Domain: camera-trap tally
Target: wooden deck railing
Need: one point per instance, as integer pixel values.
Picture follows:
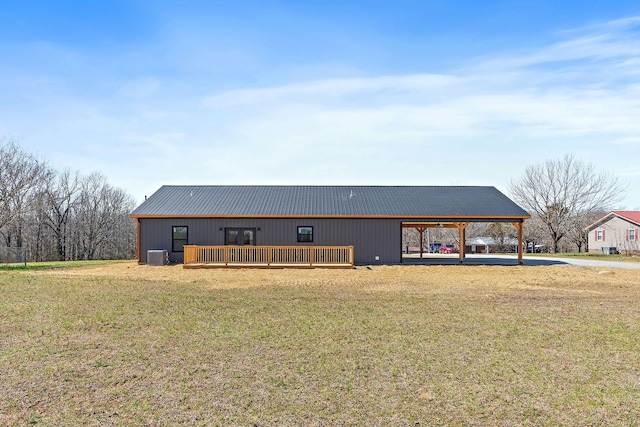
(268, 256)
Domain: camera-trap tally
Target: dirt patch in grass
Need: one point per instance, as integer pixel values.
(386, 345)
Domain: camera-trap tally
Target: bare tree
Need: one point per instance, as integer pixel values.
(476, 229)
(19, 174)
(100, 207)
(534, 233)
(502, 235)
(558, 190)
(409, 238)
(56, 202)
(576, 232)
(61, 215)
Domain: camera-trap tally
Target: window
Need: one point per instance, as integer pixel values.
(239, 236)
(305, 234)
(631, 235)
(599, 235)
(231, 237)
(179, 236)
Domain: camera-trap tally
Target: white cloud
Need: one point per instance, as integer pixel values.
(578, 95)
(474, 125)
(334, 90)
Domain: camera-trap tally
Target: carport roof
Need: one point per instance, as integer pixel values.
(437, 202)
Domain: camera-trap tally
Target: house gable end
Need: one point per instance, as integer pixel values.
(632, 217)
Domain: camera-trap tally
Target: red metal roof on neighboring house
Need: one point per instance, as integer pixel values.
(633, 216)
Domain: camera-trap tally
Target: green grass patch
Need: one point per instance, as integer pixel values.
(48, 265)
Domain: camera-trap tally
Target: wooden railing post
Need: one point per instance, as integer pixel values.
(269, 256)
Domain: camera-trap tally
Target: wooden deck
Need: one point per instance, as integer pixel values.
(268, 256)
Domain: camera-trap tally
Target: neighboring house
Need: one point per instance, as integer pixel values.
(485, 245)
(368, 218)
(617, 231)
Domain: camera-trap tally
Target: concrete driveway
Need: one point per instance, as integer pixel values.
(594, 263)
(494, 259)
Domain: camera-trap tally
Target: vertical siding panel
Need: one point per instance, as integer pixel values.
(370, 237)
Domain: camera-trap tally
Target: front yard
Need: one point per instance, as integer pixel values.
(123, 344)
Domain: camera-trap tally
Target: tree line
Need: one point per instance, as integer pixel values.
(61, 215)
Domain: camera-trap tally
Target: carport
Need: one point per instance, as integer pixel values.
(461, 225)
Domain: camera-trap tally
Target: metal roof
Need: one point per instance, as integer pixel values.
(631, 216)
(329, 201)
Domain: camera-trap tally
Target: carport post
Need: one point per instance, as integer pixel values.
(421, 232)
(462, 228)
(518, 226)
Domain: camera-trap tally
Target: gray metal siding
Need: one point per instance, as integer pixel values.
(370, 237)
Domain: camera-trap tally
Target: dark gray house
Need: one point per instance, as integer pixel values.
(368, 218)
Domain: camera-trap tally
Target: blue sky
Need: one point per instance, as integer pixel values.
(331, 92)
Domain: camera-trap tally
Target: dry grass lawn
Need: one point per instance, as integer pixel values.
(125, 344)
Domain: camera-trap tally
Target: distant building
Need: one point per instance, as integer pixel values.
(617, 231)
(485, 245)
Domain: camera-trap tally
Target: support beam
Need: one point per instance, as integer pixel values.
(421, 231)
(518, 226)
(138, 240)
(462, 229)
